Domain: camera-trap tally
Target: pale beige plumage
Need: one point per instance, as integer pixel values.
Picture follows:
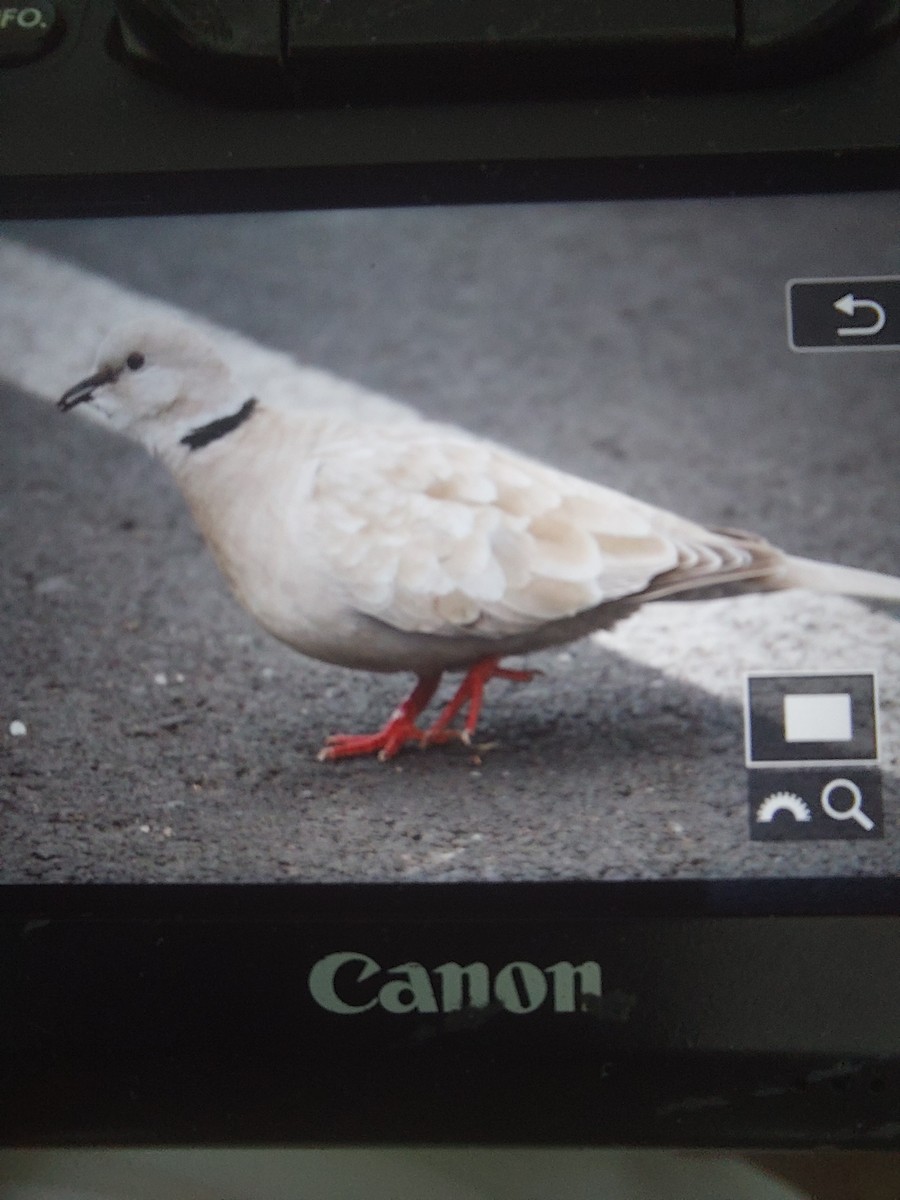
(382, 541)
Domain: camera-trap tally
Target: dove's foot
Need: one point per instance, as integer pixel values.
(386, 743)
(390, 740)
(401, 728)
(471, 692)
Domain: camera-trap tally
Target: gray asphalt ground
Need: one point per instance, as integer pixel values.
(169, 739)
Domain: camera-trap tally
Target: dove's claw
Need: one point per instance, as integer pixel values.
(386, 743)
(390, 740)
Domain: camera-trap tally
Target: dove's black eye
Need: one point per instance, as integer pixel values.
(134, 361)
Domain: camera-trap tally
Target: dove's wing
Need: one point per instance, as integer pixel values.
(433, 531)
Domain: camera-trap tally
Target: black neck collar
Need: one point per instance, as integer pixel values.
(204, 434)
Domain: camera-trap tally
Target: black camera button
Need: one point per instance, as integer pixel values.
(28, 30)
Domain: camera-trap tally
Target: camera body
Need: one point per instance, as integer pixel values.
(506, 1004)
(142, 141)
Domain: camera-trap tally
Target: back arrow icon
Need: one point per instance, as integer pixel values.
(849, 304)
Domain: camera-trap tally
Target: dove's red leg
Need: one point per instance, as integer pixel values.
(471, 692)
(400, 728)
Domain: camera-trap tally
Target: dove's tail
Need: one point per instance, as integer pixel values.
(843, 581)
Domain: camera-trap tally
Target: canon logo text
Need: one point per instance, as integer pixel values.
(350, 983)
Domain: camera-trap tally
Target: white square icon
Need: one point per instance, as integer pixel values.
(818, 717)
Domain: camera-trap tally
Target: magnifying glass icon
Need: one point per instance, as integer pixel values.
(854, 812)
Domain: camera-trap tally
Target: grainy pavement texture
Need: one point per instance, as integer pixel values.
(152, 732)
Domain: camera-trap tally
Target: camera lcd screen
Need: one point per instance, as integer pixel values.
(731, 362)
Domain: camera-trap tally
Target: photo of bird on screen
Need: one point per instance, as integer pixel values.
(411, 545)
(446, 544)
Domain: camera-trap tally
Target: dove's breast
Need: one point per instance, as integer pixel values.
(249, 494)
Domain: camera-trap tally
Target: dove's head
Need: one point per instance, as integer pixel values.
(152, 379)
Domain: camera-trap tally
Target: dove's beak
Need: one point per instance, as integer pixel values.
(85, 390)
